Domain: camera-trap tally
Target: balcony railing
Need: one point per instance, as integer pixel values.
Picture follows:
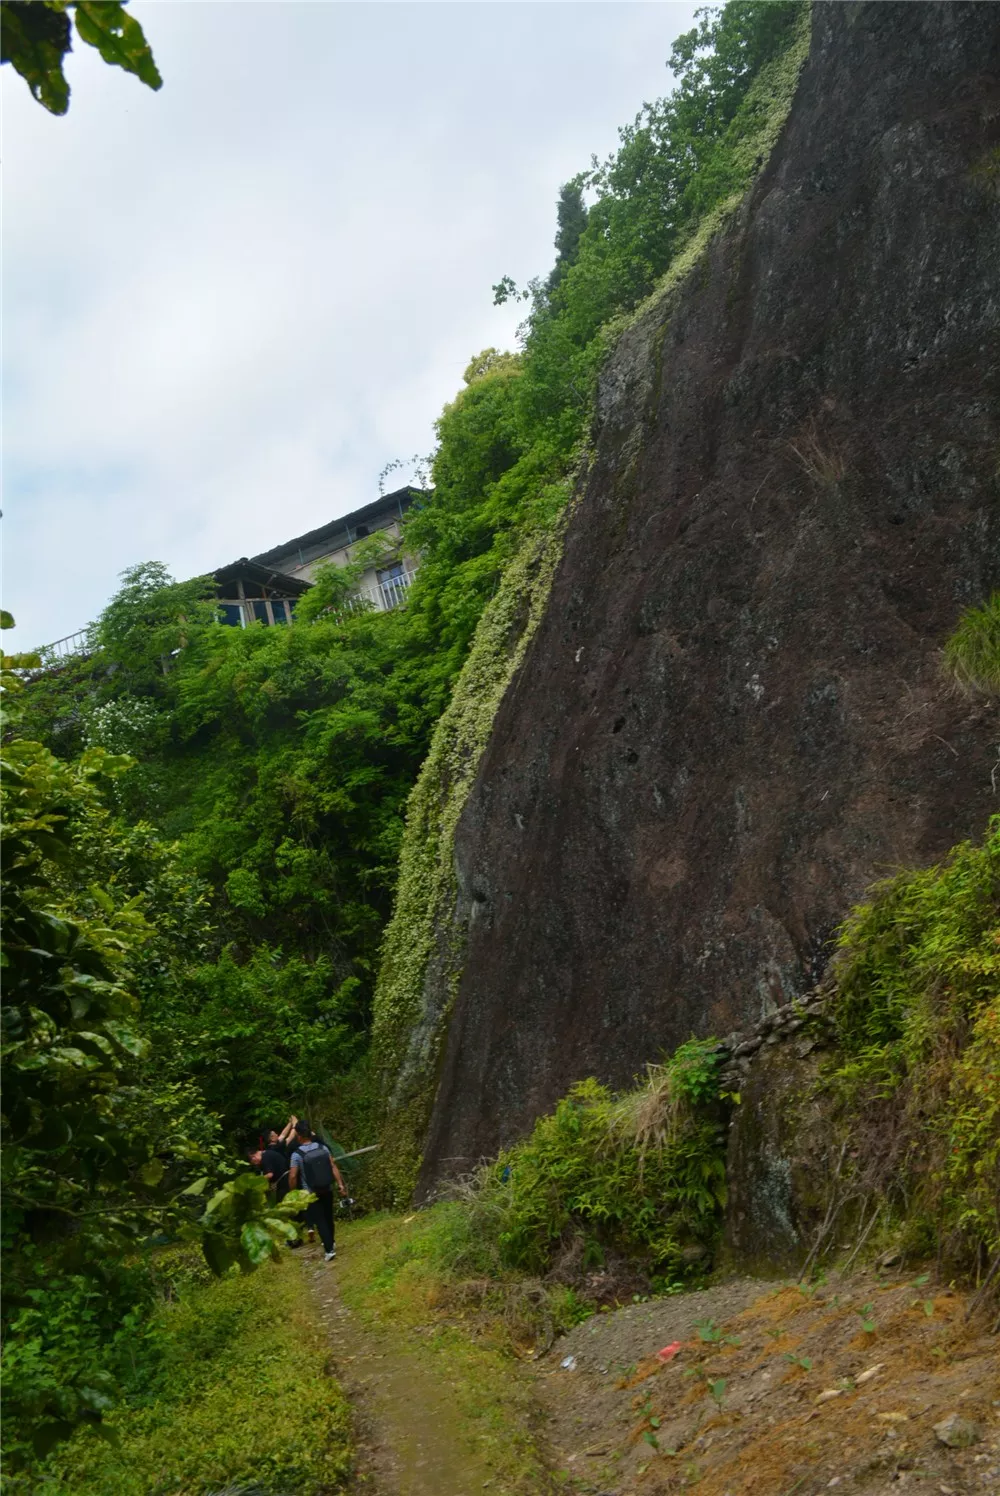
(393, 591)
(67, 648)
(383, 598)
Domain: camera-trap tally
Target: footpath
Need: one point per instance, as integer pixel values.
(877, 1383)
(410, 1435)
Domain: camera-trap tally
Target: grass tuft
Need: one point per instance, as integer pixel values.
(972, 654)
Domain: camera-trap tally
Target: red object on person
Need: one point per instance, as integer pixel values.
(669, 1351)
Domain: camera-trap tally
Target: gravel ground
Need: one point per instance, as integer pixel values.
(777, 1390)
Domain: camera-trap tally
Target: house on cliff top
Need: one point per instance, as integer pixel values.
(265, 588)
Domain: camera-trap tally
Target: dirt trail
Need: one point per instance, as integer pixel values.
(763, 1389)
(410, 1434)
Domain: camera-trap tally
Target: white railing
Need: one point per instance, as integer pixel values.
(68, 647)
(383, 597)
(393, 592)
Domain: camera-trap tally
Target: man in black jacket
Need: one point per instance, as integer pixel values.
(313, 1167)
(274, 1157)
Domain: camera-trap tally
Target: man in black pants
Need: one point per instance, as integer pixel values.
(314, 1168)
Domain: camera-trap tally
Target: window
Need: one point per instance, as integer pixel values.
(394, 573)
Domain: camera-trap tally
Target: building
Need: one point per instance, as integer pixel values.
(265, 588)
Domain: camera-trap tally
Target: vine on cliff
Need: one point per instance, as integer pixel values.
(408, 1025)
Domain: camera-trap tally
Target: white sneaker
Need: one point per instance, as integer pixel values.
(329, 1256)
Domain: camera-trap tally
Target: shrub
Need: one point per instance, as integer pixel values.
(232, 1392)
(917, 1076)
(642, 1174)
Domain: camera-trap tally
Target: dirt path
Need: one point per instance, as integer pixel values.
(762, 1389)
(411, 1436)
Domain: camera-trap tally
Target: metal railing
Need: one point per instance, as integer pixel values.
(68, 647)
(393, 592)
(383, 597)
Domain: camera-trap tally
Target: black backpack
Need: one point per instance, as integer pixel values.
(317, 1169)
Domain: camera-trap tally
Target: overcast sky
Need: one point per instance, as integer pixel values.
(230, 303)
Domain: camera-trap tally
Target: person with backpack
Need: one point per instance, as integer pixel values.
(313, 1167)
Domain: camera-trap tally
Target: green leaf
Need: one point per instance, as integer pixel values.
(126, 1037)
(35, 38)
(46, 1436)
(118, 37)
(152, 1172)
(100, 896)
(257, 1242)
(219, 1253)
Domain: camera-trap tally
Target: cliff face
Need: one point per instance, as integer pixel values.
(732, 718)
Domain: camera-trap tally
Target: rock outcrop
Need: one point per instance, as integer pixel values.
(732, 717)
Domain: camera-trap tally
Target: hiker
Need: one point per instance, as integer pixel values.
(282, 1139)
(314, 1168)
(274, 1157)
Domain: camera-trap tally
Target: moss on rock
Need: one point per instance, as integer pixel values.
(422, 950)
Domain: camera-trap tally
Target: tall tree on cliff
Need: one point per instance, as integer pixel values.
(571, 220)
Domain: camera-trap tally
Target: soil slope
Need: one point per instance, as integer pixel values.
(781, 1389)
(732, 717)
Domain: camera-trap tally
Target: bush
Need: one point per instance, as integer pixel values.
(232, 1392)
(65, 1351)
(641, 1175)
(917, 1013)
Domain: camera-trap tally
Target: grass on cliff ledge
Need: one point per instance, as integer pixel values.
(972, 654)
(230, 1393)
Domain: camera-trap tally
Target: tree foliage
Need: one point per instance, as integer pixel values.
(36, 35)
(104, 1148)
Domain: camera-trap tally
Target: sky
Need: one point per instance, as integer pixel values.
(229, 304)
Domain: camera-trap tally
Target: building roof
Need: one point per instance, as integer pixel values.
(248, 570)
(402, 498)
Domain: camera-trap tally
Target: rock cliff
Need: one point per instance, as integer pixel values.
(732, 717)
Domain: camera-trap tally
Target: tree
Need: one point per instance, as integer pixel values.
(35, 36)
(571, 220)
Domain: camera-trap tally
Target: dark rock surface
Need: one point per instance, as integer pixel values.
(732, 718)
